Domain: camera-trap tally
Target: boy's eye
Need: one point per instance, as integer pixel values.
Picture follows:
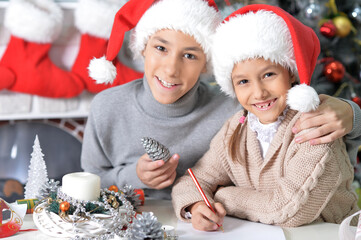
(268, 74)
(189, 56)
(241, 82)
(160, 48)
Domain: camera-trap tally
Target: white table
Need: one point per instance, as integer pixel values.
(164, 212)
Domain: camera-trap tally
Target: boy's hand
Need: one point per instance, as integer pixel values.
(204, 219)
(157, 174)
(332, 120)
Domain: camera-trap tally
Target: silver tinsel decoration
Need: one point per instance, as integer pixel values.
(110, 226)
(155, 149)
(312, 13)
(146, 226)
(356, 13)
(131, 196)
(47, 188)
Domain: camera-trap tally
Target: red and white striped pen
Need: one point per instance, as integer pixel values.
(202, 194)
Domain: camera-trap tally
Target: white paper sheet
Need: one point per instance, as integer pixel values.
(347, 232)
(234, 228)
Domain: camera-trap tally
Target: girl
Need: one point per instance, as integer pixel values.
(254, 169)
(171, 103)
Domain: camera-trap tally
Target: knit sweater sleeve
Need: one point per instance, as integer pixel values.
(94, 158)
(353, 139)
(309, 178)
(210, 174)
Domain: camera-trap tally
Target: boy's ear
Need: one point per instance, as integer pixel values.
(204, 70)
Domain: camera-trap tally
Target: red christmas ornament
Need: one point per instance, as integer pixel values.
(328, 29)
(64, 206)
(113, 188)
(357, 100)
(334, 71)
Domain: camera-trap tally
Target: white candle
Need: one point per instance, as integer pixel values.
(81, 186)
(169, 230)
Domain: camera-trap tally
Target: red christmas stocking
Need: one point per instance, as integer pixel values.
(94, 19)
(34, 25)
(7, 77)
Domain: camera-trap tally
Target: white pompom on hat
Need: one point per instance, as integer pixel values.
(197, 18)
(265, 31)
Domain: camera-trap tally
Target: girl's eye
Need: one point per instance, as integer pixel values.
(160, 48)
(189, 56)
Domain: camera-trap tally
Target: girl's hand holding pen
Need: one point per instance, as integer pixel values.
(204, 219)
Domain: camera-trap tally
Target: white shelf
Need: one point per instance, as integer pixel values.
(65, 5)
(27, 116)
(18, 106)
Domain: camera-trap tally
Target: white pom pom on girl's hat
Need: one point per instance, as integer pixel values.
(303, 98)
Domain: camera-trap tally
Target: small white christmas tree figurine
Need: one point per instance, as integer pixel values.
(37, 173)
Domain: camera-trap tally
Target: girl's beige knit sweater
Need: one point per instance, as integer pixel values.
(294, 184)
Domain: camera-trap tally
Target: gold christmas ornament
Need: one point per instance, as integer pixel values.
(343, 26)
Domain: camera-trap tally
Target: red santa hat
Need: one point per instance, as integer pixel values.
(197, 18)
(264, 31)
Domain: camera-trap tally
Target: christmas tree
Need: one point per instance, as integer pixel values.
(338, 26)
(37, 174)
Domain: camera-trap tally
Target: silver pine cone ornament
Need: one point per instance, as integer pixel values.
(131, 195)
(146, 226)
(51, 186)
(155, 149)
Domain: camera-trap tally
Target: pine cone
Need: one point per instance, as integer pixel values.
(146, 226)
(131, 196)
(47, 188)
(155, 149)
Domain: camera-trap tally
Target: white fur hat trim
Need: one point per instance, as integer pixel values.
(34, 21)
(96, 17)
(193, 17)
(252, 35)
(102, 70)
(303, 98)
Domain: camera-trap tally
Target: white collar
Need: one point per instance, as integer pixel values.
(265, 132)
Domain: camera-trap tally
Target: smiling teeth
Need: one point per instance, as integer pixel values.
(263, 106)
(166, 84)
